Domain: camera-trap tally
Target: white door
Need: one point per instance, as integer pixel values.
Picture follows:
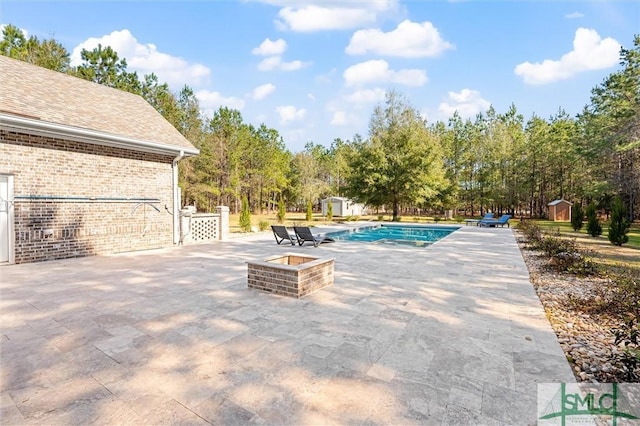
(6, 218)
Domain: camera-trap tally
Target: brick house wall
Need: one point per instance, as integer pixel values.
(71, 225)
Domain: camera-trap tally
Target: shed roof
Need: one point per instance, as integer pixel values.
(42, 101)
(556, 202)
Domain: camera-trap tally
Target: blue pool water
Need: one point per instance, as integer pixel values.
(413, 235)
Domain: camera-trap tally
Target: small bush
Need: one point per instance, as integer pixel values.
(593, 223)
(380, 217)
(416, 219)
(264, 225)
(619, 226)
(553, 245)
(625, 290)
(577, 216)
(584, 266)
(329, 211)
(437, 219)
(532, 233)
(627, 337)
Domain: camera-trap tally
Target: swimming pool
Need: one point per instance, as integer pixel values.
(413, 235)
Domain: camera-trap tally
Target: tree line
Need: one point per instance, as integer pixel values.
(405, 165)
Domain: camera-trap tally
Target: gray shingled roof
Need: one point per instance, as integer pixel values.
(556, 202)
(33, 92)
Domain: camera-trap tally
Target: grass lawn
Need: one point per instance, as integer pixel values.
(627, 256)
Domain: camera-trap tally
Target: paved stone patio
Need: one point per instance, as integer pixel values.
(451, 334)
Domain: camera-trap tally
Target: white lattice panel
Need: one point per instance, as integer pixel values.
(200, 227)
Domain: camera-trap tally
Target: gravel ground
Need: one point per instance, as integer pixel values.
(586, 338)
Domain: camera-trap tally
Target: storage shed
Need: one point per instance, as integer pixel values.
(84, 168)
(343, 207)
(560, 210)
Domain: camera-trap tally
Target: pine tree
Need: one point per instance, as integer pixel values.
(619, 225)
(245, 216)
(577, 215)
(593, 223)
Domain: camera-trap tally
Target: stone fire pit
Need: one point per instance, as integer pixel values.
(291, 274)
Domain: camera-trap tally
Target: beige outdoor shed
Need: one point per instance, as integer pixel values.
(560, 210)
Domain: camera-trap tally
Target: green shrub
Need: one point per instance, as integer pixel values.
(281, 210)
(264, 225)
(553, 245)
(380, 217)
(625, 291)
(532, 232)
(329, 211)
(627, 335)
(577, 216)
(593, 223)
(619, 226)
(437, 219)
(309, 216)
(245, 216)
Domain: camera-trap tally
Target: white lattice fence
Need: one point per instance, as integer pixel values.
(200, 227)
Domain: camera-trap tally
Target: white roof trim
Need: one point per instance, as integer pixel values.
(13, 123)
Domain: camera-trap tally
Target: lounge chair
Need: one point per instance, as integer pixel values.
(281, 233)
(477, 221)
(504, 220)
(304, 234)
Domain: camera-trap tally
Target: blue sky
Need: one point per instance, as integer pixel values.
(314, 70)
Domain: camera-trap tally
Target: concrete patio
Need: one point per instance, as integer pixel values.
(450, 334)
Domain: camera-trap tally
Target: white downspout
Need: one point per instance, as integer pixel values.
(176, 199)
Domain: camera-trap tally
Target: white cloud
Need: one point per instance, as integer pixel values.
(590, 52)
(263, 91)
(366, 96)
(311, 96)
(270, 48)
(290, 113)
(467, 102)
(316, 18)
(146, 59)
(275, 62)
(213, 100)
(409, 40)
(302, 16)
(574, 15)
(377, 71)
(339, 118)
